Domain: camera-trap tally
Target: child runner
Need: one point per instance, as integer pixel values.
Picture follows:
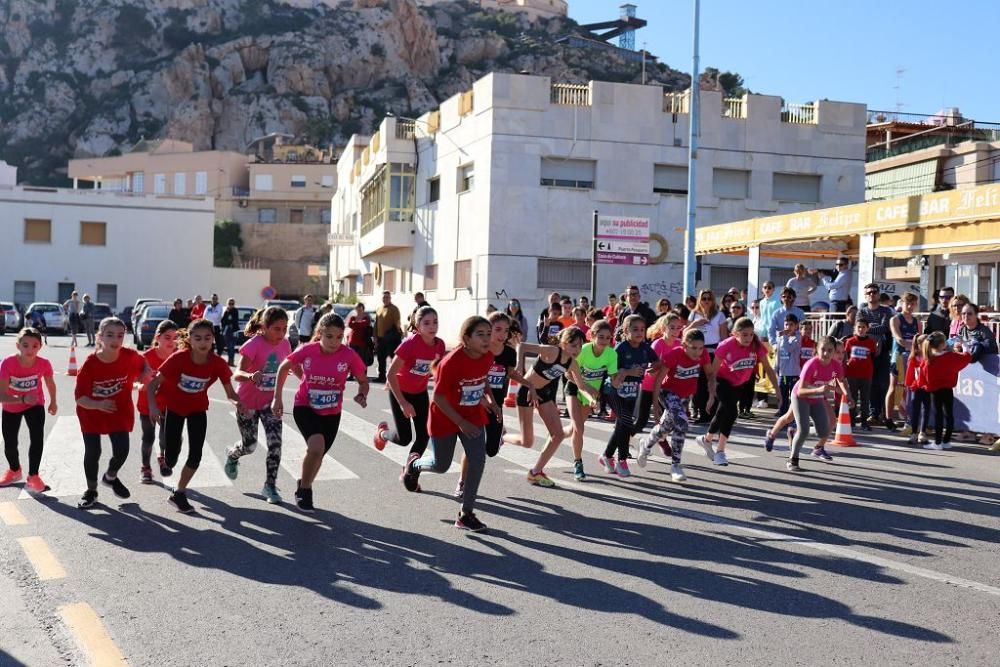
(635, 356)
(185, 378)
(407, 379)
(735, 361)
(597, 360)
(679, 377)
(808, 344)
(664, 336)
(919, 408)
(266, 347)
(940, 368)
(859, 350)
(21, 379)
(458, 412)
(104, 405)
(322, 367)
(808, 402)
(539, 389)
(789, 357)
(164, 345)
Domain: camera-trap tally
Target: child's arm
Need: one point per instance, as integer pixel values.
(244, 374)
(465, 426)
(6, 397)
(488, 402)
(363, 388)
(232, 395)
(393, 381)
(710, 377)
(154, 409)
(278, 405)
(50, 384)
(577, 377)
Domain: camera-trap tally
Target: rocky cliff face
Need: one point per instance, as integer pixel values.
(90, 79)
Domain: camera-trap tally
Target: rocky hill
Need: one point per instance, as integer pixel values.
(84, 79)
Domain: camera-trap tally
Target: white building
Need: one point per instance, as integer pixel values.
(117, 247)
(492, 196)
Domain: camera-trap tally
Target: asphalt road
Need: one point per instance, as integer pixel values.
(886, 556)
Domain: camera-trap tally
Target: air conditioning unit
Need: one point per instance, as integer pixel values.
(244, 203)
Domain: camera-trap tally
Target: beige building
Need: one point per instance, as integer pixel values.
(279, 196)
(534, 9)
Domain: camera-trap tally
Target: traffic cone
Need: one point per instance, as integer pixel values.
(72, 361)
(510, 400)
(843, 436)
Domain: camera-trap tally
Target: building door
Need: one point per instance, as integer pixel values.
(65, 291)
(24, 292)
(108, 294)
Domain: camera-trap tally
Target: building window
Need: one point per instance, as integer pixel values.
(296, 216)
(796, 187)
(24, 292)
(463, 274)
(298, 181)
(433, 189)
(724, 277)
(263, 182)
(324, 216)
(180, 183)
(354, 221)
(93, 233)
(466, 177)
(201, 182)
(267, 216)
(37, 231)
(138, 182)
(669, 179)
(328, 180)
(560, 173)
(159, 184)
(65, 290)
(107, 294)
(430, 276)
(731, 183)
(367, 284)
(389, 280)
(563, 274)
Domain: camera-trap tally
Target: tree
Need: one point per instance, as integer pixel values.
(227, 236)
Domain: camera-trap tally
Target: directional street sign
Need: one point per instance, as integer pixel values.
(622, 258)
(628, 247)
(622, 240)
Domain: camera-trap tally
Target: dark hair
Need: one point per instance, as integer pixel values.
(570, 335)
(200, 323)
(682, 310)
(632, 287)
(829, 340)
(788, 291)
(498, 316)
(694, 336)
(742, 323)
(627, 324)
(599, 326)
(579, 310)
(791, 317)
(329, 320)
(29, 332)
(470, 325)
(419, 314)
(165, 326)
(263, 318)
(873, 286)
(114, 322)
(359, 304)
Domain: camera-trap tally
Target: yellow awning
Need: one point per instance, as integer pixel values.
(969, 237)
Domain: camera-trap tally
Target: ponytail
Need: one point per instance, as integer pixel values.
(263, 318)
(931, 343)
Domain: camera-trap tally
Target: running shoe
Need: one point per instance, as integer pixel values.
(540, 479)
(820, 453)
(644, 448)
(933, 445)
(705, 445)
(891, 425)
(912, 440)
(89, 499)
(578, 473)
(146, 475)
(995, 447)
(179, 500)
(304, 499)
(720, 459)
(677, 473)
(165, 470)
(271, 495)
(232, 467)
(923, 439)
(865, 426)
(792, 466)
(411, 475)
(608, 464)
(10, 477)
(34, 484)
(460, 490)
(116, 485)
(945, 445)
(468, 521)
(768, 441)
(622, 468)
(378, 440)
(907, 430)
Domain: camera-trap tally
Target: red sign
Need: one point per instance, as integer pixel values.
(268, 293)
(622, 258)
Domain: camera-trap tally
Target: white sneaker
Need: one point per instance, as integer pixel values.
(677, 473)
(945, 445)
(922, 439)
(707, 446)
(933, 445)
(760, 404)
(640, 460)
(720, 459)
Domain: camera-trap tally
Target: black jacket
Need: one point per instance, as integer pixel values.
(642, 310)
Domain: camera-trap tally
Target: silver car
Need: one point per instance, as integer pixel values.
(11, 317)
(55, 317)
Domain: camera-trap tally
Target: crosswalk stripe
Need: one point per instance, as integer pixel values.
(293, 452)
(62, 462)
(361, 430)
(526, 458)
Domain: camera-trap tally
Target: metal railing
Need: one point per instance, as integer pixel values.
(571, 94)
(799, 114)
(676, 102)
(734, 107)
(405, 129)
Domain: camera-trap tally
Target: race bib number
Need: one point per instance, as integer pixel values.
(24, 385)
(108, 388)
(422, 367)
(686, 373)
(496, 377)
(324, 399)
(808, 352)
(472, 394)
(746, 363)
(192, 385)
(629, 390)
(268, 381)
(859, 353)
(784, 355)
(592, 373)
(554, 373)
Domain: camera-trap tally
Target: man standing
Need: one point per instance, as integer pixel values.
(939, 319)
(788, 307)
(213, 313)
(878, 317)
(74, 308)
(305, 318)
(839, 286)
(388, 333)
(609, 309)
(197, 308)
(421, 302)
(634, 307)
(584, 302)
(543, 318)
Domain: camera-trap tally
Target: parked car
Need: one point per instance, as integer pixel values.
(135, 309)
(126, 317)
(102, 310)
(56, 320)
(149, 318)
(245, 314)
(287, 304)
(12, 318)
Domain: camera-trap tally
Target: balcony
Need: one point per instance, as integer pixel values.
(241, 192)
(676, 102)
(387, 236)
(571, 95)
(734, 107)
(799, 114)
(387, 209)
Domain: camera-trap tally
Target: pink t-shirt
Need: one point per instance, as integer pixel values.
(324, 376)
(264, 357)
(661, 347)
(815, 373)
(738, 362)
(417, 357)
(24, 381)
(683, 371)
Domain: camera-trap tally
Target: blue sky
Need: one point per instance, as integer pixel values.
(846, 50)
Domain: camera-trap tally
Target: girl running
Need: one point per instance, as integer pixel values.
(21, 379)
(635, 357)
(322, 367)
(939, 369)
(734, 363)
(707, 318)
(679, 377)
(265, 349)
(809, 398)
(538, 391)
(597, 361)
(185, 378)
(458, 412)
(665, 335)
(407, 378)
(104, 405)
(919, 408)
(164, 344)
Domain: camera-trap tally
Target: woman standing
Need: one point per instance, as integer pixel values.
(361, 331)
(515, 313)
(709, 320)
(88, 320)
(230, 324)
(803, 286)
(904, 328)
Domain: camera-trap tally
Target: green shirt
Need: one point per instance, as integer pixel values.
(594, 368)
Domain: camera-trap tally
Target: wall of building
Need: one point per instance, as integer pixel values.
(224, 170)
(288, 251)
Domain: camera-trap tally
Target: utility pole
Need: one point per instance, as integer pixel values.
(693, 109)
(644, 63)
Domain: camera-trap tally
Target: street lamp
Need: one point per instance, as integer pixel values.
(692, 201)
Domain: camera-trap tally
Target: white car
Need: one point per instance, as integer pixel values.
(11, 318)
(55, 317)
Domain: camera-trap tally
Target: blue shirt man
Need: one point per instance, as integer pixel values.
(778, 319)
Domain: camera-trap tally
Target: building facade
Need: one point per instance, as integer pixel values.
(493, 195)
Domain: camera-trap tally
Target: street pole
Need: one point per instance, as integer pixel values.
(693, 109)
(593, 263)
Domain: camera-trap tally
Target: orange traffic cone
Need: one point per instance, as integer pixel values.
(510, 400)
(843, 436)
(72, 361)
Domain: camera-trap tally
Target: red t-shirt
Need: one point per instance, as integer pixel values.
(359, 326)
(683, 371)
(859, 353)
(154, 361)
(417, 357)
(914, 376)
(808, 350)
(185, 383)
(461, 381)
(197, 311)
(738, 362)
(942, 371)
(103, 381)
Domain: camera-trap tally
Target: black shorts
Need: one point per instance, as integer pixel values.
(309, 424)
(545, 394)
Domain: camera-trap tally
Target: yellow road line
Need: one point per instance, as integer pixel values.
(91, 635)
(42, 559)
(11, 515)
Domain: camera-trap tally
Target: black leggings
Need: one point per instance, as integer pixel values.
(701, 395)
(624, 425)
(403, 432)
(35, 418)
(494, 432)
(173, 433)
(148, 438)
(746, 394)
(645, 409)
(92, 455)
(944, 402)
(726, 397)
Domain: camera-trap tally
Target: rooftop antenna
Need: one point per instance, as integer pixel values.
(900, 70)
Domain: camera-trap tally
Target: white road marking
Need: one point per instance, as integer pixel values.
(362, 431)
(293, 452)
